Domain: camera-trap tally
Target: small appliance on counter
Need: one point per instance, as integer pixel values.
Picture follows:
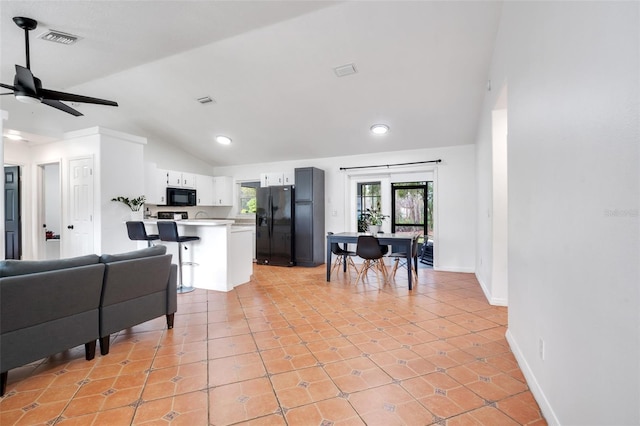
(173, 215)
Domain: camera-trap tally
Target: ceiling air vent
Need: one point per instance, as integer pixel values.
(205, 100)
(59, 37)
(344, 70)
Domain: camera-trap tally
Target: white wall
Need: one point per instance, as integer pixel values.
(118, 166)
(121, 172)
(170, 157)
(455, 194)
(573, 196)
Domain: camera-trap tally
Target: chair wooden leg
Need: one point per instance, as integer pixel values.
(351, 264)
(336, 264)
(383, 270)
(365, 267)
(395, 267)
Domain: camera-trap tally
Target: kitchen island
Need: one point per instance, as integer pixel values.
(223, 255)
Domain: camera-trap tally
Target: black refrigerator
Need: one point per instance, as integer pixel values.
(275, 225)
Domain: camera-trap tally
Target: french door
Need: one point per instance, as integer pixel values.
(412, 207)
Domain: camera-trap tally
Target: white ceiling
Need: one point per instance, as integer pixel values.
(422, 69)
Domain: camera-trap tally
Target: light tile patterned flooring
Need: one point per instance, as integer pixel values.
(288, 348)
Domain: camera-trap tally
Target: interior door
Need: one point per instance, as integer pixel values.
(80, 222)
(12, 223)
(409, 207)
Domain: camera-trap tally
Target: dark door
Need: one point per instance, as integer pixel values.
(13, 240)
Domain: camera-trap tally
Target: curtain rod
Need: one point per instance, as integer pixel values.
(391, 165)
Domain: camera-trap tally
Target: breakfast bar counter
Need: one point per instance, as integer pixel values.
(223, 256)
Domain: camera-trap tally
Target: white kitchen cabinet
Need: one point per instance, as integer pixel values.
(289, 178)
(204, 190)
(276, 179)
(155, 186)
(223, 191)
(188, 180)
(180, 180)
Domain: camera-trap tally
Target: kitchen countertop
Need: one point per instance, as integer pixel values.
(196, 222)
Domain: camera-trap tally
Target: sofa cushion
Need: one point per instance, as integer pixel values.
(10, 268)
(136, 254)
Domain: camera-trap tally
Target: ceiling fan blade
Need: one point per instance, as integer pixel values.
(25, 79)
(62, 107)
(70, 97)
(6, 86)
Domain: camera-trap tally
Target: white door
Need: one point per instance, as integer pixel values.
(79, 230)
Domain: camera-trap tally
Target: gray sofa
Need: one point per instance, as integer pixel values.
(50, 306)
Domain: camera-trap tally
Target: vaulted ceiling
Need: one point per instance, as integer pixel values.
(421, 68)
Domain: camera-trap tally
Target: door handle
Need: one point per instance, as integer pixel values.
(70, 227)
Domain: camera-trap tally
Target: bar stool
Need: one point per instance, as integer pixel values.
(169, 232)
(137, 232)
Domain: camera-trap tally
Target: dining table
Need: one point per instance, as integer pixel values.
(402, 241)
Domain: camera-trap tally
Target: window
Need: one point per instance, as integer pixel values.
(368, 198)
(412, 207)
(248, 197)
(408, 207)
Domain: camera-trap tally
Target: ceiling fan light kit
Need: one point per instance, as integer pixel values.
(28, 89)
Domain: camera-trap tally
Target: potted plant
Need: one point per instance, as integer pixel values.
(135, 204)
(374, 219)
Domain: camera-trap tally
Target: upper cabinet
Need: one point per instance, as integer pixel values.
(214, 191)
(277, 179)
(222, 191)
(204, 190)
(155, 186)
(210, 190)
(180, 179)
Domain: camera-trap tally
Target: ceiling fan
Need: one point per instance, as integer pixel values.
(28, 89)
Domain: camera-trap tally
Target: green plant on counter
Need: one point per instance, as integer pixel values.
(135, 204)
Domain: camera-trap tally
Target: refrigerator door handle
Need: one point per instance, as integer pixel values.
(270, 216)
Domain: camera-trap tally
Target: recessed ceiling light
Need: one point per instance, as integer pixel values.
(379, 129)
(223, 140)
(13, 137)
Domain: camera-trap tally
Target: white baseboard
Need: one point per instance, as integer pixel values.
(494, 301)
(454, 269)
(536, 390)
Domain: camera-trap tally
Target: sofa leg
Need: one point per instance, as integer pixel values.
(170, 321)
(90, 350)
(3, 382)
(104, 345)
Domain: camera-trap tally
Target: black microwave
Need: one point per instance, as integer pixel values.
(181, 197)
